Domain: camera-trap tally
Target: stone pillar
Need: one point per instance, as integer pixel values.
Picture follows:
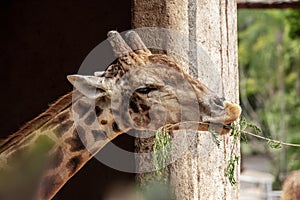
(200, 172)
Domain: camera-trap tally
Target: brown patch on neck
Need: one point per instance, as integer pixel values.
(74, 164)
(63, 128)
(115, 127)
(57, 107)
(56, 121)
(98, 111)
(75, 142)
(56, 158)
(50, 184)
(81, 108)
(90, 118)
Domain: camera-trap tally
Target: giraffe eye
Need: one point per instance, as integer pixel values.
(145, 90)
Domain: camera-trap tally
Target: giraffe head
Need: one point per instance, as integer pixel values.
(146, 91)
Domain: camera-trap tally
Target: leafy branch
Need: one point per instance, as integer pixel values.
(230, 169)
(162, 148)
(239, 132)
(272, 143)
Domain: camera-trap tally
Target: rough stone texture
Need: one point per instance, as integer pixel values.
(268, 4)
(199, 173)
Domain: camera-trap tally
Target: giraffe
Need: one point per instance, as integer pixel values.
(291, 186)
(140, 91)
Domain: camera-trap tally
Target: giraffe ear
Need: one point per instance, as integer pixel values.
(90, 86)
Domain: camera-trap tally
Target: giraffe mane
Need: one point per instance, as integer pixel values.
(58, 106)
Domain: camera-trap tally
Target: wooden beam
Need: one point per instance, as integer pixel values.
(265, 4)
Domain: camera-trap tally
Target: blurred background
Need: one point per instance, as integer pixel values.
(269, 63)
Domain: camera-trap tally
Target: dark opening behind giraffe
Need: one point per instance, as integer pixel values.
(141, 91)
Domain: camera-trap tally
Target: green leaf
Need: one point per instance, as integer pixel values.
(275, 144)
(244, 138)
(243, 124)
(230, 169)
(215, 136)
(161, 150)
(254, 127)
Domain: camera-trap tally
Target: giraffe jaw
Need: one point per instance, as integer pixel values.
(222, 124)
(219, 128)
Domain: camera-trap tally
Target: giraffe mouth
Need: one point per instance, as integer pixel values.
(223, 123)
(220, 128)
(215, 127)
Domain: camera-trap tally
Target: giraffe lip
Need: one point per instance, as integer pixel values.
(220, 128)
(227, 127)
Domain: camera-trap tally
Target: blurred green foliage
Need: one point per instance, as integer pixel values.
(269, 61)
(20, 179)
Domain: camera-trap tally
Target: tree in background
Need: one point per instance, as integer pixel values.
(269, 61)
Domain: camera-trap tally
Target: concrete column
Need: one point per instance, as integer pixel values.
(209, 25)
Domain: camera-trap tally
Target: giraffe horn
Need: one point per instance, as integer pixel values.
(119, 46)
(135, 42)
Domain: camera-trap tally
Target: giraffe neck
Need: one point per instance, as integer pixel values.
(63, 144)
